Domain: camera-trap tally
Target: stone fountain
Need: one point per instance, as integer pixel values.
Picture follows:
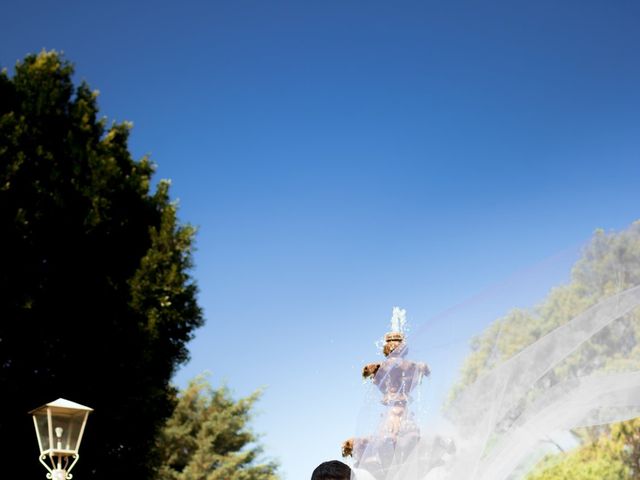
(396, 377)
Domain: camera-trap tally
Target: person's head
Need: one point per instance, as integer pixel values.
(332, 470)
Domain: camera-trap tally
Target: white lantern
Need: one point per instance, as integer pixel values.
(59, 428)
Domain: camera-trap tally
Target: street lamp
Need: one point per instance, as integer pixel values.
(59, 427)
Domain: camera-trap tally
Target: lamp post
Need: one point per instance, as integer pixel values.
(59, 428)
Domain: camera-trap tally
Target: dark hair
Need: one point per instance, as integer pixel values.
(332, 470)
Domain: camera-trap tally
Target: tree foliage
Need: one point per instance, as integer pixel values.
(96, 300)
(610, 263)
(614, 455)
(207, 438)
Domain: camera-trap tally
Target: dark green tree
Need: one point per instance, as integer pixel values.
(96, 300)
(207, 438)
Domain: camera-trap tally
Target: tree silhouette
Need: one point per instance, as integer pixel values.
(96, 300)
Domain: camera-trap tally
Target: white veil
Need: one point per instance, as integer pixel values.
(585, 372)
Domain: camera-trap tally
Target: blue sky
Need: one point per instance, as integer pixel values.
(340, 158)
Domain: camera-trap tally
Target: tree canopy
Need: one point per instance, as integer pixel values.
(613, 455)
(207, 438)
(610, 263)
(96, 299)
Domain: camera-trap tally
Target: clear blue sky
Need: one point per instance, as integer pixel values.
(340, 158)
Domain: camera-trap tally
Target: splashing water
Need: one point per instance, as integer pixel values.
(398, 319)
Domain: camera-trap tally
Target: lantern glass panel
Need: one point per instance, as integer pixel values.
(42, 426)
(66, 429)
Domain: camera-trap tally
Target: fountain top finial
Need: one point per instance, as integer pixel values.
(395, 337)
